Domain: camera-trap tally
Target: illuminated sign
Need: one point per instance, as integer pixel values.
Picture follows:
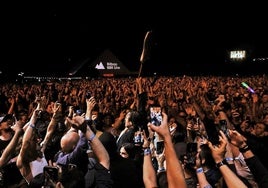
(108, 64)
(238, 54)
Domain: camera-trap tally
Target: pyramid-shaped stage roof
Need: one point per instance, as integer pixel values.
(107, 64)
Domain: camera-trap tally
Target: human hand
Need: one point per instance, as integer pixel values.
(218, 151)
(237, 139)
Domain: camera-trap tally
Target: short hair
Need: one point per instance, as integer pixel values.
(69, 178)
(135, 118)
(162, 179)
(38, 181)
(205, 153)
(72, 178)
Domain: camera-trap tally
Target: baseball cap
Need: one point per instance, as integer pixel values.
(5, 117)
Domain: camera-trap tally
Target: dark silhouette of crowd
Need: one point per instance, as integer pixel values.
(212, 132)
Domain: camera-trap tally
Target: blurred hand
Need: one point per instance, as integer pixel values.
(17, 128)
(218, 151)
(236, 138)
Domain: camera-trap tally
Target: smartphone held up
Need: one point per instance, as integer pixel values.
(159, 147)
(156, 115)
(223, 127)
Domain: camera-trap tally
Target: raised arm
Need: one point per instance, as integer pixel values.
(174, 169)
(98, 148)
(10, 148)
(52, 125)
(256, 167)
(149, 173)
(26, 149)
(103, 167)
(201, 177)
(91, 102)
(218, 153)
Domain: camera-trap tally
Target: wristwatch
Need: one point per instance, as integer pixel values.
(223, 162)
(244, 149)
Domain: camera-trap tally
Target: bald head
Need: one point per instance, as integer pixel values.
(69, 141)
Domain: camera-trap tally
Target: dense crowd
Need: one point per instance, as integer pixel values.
(212, 132)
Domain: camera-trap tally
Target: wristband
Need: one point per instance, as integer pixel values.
(199, 170)
(91, 137)
(147, 151)
(229, 159)
(32, 126)
(162, 169)
(244, 149)
(223, 162)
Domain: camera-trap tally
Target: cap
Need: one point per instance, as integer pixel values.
(5, 117)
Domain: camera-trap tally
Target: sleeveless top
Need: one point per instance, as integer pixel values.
(38, 165)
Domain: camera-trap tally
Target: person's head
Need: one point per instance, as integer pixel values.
(162, 179)
(70, 178)
(206, 156)
(132, 119)
(174, 109)
(236, 118)
(37, 181)
(264, 97)
(259, 129)
(212, 173)
(95, 112)
(179, 135)
(5, 122)
(49, 107)
(108, 119)
(69, 141)
(127, 150)
(265, 119)
(244, 126)
(174, 105)
(171, 120)
(62, 177)
(22, 116)
(182, 114)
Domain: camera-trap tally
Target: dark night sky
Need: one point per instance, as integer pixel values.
(54, 37)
